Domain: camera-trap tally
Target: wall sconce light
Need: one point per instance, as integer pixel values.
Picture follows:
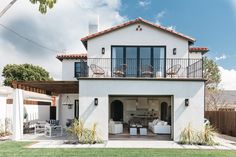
(96, 101)
(103, 50)
(186, 101)
(174, 51)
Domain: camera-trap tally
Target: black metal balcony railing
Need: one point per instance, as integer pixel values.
(146, 68)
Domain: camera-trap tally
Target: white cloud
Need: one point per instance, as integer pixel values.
(61, 29)
(228, 78)
(144, 3)
(172, 27)
(222, 57)
(234, 3)
(159, 16)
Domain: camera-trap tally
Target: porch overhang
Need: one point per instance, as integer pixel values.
(48, 87)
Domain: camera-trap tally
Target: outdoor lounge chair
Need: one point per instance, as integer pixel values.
(120, 71)
(97, 71)
(147, 70)
(173, 71)
(26, 127)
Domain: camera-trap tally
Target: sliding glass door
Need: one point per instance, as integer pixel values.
(159, 61)
(137, 59)
(131, 57)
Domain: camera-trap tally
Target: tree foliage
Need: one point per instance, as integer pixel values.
(24, 72)
(214, 100)
(44, 4)
(211, 73)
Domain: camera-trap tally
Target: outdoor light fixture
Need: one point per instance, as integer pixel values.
(70, 106)
(96, 101)
(67, 102)
(174, 51)
(103, 50)
(186, 102)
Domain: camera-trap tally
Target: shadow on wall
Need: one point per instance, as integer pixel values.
(180, 110)
(88, 111)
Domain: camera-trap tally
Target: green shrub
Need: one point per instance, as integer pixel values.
(204, 137)
(84, 135)
(187, 136)
(5, 129)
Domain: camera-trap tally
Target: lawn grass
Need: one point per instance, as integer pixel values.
(17, 149)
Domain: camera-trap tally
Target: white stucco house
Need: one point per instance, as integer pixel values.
(136, 80)
(134, 74)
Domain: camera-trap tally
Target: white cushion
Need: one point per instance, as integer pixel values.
(159, 127)
(115, 128)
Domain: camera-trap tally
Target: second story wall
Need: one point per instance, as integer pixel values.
(195, 55)
(129, 36)
(68, 69)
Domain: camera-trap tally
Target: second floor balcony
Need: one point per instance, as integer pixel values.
(140, 68)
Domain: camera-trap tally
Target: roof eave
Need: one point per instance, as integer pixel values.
(138, 20)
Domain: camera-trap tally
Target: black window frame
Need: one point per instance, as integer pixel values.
(81, 73)
(138, 55)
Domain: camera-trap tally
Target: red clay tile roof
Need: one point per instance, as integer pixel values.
(138, 20)
(72, 56)
(198, 49)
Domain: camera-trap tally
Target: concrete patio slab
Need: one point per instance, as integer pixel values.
(126, 144)
(59, 142)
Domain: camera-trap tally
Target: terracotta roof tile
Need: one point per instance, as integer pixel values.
(198, 49)
(72, 56)
(138, 20)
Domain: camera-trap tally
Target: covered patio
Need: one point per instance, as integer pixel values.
(140, 117)
(52, 88)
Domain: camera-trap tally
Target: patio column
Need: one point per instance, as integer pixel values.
(58, 108)
(18, 111)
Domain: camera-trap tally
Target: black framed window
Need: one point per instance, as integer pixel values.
(137, 57)
(81, 69)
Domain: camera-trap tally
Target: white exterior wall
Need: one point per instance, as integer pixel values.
(101, 89)
(35, 112)
(149, 36)
(64, 112)
(195, 55)
(68, 67)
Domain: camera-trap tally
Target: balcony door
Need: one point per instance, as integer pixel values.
(137, 57)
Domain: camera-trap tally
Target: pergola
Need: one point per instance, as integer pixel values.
(43, 87)
(48, 87)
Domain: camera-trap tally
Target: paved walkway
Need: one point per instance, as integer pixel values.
(224, 145)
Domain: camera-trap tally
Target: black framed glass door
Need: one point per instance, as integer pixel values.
(138, 57)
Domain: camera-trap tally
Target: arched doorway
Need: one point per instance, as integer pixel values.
(117, 110)
(164, 111)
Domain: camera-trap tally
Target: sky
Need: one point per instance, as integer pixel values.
(211, 22)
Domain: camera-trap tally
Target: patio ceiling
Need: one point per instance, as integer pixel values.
(48, 87)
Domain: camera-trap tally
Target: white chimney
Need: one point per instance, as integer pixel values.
(93, 24)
